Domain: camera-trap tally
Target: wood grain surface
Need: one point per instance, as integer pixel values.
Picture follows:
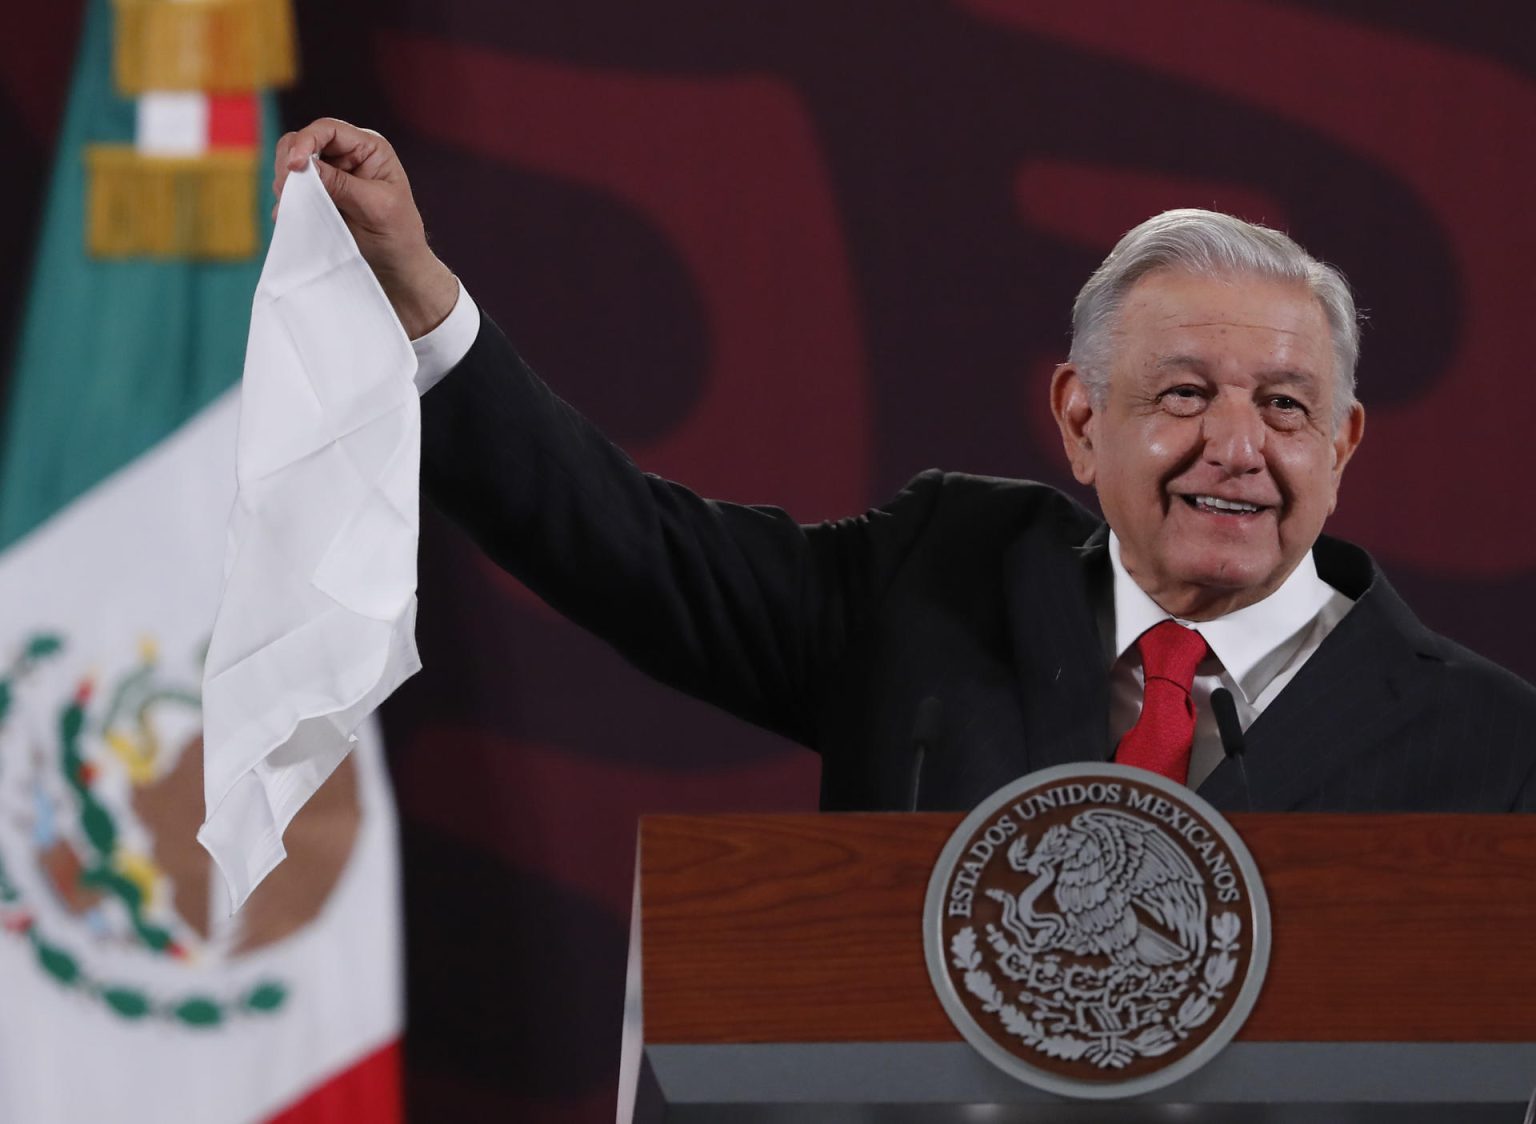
(808, 928)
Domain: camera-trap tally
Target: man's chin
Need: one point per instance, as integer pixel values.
(1213, 586)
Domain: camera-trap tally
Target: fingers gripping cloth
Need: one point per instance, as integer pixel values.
(1165, 731)
(316, 626)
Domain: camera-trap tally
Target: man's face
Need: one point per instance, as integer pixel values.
(1214, 451)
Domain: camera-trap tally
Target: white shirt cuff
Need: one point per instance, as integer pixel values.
(440, 350)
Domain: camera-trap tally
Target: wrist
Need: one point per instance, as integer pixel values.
(422, 294)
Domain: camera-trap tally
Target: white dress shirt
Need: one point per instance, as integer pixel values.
(1255, 651)
(440, 350)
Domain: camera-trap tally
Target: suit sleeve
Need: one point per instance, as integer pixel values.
(737, 605)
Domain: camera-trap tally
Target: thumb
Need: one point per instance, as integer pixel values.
(334, 180)
(357, 199)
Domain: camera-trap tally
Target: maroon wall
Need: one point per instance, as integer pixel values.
(796, 252)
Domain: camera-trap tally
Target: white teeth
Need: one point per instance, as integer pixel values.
(1220, 504)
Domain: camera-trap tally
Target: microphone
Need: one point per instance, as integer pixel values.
(925, 733)
(1231, 730)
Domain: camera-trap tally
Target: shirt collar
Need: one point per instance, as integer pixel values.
(1253, 643)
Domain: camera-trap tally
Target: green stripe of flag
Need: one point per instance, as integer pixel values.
(112, 355)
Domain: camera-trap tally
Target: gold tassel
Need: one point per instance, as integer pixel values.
(157, 206)
(220, 46)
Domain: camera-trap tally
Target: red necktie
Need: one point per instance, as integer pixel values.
(1161, 738)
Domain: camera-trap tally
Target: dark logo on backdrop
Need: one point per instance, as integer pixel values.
(1096, 930)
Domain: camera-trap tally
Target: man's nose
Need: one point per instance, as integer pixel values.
(1234, 435)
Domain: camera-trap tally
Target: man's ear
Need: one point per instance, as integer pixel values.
(1346, 439)
(1072, 406)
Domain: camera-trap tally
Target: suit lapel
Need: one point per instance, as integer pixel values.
(1346, 698)
(1063, 683)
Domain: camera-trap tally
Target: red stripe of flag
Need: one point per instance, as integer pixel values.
(367, 1091)
(233, 120)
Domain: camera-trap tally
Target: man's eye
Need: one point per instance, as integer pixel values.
(1287, 403)
(1183, 400)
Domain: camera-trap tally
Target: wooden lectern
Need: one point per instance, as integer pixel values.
(777, 974)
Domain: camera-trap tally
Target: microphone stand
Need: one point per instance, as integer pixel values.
(1231, 730)
(925, 733)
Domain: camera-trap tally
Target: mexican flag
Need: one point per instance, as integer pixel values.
(129, 991)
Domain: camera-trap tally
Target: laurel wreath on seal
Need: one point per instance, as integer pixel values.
(68, 968)
(1115, 1051)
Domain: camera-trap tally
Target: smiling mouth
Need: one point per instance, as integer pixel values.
(1215, 505)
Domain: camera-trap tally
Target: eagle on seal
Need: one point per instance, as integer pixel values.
(1111, 873)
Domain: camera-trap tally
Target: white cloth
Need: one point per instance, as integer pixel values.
(316, 626)
(1255, 651)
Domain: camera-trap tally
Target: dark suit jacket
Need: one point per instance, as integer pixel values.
(976, 591)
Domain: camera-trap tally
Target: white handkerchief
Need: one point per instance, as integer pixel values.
(317, 623)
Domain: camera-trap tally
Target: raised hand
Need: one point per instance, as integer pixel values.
(364, 177)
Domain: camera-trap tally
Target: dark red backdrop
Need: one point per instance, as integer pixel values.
(795, 252)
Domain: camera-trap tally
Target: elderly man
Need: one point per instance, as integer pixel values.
(1209, 400)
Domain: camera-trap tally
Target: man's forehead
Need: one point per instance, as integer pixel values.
(1176, 313)
(1287, 374)
(1196, 318)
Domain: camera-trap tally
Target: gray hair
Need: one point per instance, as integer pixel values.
(1209, 244)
